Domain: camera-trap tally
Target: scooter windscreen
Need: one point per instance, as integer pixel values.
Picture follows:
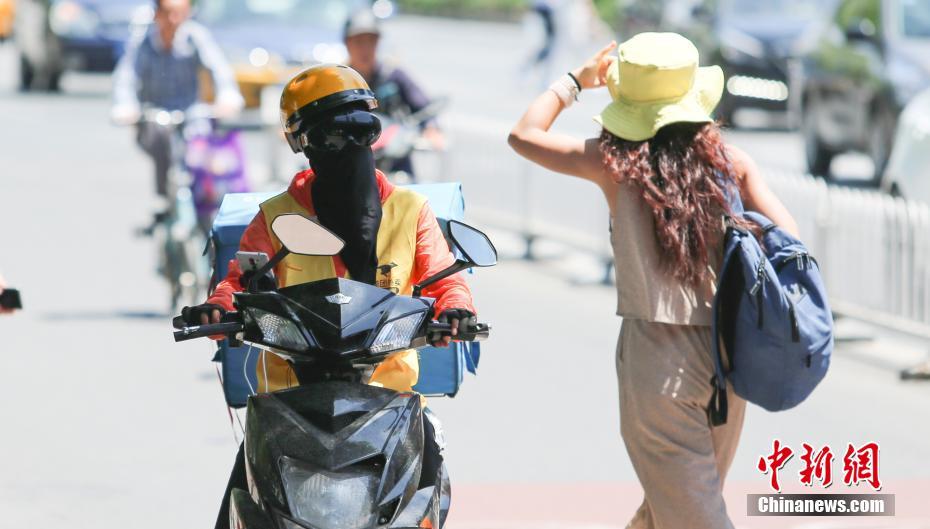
(336, 317)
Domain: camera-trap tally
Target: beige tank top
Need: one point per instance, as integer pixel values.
(644, 290)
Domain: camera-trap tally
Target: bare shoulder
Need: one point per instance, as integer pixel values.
(738, 157)
(744, 166)
(592, 161)
(596, 172)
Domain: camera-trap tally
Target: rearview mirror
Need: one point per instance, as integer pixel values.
(476, 249)
(475, 245)
(302, 236)
(298, 235)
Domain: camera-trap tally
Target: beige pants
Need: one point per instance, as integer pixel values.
(665, 372)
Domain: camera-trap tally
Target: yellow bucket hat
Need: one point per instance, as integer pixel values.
(657, 82)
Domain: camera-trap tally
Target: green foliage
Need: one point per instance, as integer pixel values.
(854, 11)
(471, 8)
(607, 9)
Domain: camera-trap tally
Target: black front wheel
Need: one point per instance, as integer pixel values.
(187, 284)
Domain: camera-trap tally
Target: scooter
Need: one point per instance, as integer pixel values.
(335, 453)
(400, 137)
(215, 159)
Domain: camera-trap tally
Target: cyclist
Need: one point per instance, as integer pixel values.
(392, 238)
(396, 92)
(160, 69)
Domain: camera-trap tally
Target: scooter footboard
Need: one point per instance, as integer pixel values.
(245, 514)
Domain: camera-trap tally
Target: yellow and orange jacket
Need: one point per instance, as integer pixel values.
(410, 248)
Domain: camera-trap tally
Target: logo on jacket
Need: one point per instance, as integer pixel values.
(387, 281)
(338, 299)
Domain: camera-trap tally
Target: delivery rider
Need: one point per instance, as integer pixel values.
(392, 238)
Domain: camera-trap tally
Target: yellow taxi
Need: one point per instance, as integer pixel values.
(7, 11)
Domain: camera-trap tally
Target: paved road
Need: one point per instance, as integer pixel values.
(108, 423)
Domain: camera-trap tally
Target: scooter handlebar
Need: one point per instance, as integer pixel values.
(472, 333)
(202, 331)
(230, 324)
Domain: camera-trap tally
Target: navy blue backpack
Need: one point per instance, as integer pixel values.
(772, 315)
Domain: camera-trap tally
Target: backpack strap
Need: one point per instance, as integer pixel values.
(764, 222)
(717, 407)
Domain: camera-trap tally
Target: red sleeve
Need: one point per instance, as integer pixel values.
(433, 256)
(254, 239)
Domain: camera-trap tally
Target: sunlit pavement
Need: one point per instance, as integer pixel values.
(610, 505)
(108, 423)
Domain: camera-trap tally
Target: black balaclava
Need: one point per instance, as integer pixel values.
(347, 202)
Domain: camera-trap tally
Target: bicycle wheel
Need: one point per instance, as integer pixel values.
(174, 270)
(192, 278)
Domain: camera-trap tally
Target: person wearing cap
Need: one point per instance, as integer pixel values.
(392, 238)
(398, 95)
(665, 172)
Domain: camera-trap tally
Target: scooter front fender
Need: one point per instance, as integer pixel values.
(245, 514)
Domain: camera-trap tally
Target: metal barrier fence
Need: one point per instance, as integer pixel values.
(505, 191)
(873, 249)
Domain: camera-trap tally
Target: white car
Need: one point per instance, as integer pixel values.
(908, 171)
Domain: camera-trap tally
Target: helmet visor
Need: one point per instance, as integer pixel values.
(333, 133)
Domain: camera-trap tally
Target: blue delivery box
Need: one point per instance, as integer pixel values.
(441, 368)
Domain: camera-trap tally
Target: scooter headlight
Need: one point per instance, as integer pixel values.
(331, 500)
(397, 334)
(278, 331)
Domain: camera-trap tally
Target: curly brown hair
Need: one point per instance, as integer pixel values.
(683, 172)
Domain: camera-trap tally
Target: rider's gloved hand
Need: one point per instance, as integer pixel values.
(203, 314)
(456, 318)
(265, 283)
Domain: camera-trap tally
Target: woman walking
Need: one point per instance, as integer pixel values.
(666, 173)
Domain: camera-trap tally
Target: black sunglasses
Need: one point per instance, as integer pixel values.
(333, 133)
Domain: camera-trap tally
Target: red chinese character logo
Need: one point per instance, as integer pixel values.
(861, 465)
(819, 465)
(773, 463)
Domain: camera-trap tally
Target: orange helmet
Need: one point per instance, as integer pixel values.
(315, 91)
